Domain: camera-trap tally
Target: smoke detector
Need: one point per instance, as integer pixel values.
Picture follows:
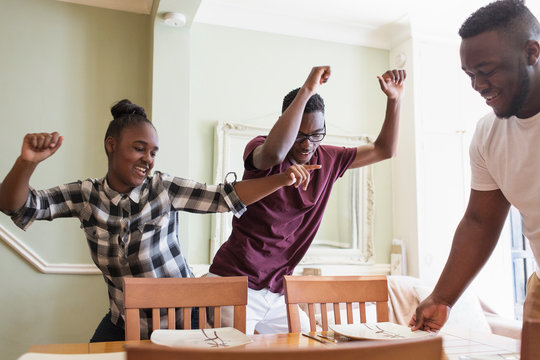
(174, 19)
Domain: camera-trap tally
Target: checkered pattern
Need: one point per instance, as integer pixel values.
(133, 234)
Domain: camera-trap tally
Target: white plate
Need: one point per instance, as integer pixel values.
(378, 331)
(214, 338)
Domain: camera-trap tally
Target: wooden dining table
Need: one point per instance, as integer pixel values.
(456, 345)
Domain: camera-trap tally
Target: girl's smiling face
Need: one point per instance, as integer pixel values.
(131, 156)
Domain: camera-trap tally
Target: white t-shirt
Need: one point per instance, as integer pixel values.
(505, 155)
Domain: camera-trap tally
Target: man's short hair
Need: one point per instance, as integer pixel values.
(315, 102)
(511, 17)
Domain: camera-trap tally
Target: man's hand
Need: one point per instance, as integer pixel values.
(318, 75)
(392, 83)
(430, 315)
(38, 147)
(299, 174)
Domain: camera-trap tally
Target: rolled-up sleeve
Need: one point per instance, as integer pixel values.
(234, 202)
(25, 216)
(192, 196)
(47, 205)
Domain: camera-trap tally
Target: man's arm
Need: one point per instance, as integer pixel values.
(385, 146)
(36, 148)
(475, 238)
(283, 134)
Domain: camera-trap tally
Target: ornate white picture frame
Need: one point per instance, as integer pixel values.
(346, 232)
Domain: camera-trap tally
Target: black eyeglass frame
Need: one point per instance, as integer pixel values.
(301, 136)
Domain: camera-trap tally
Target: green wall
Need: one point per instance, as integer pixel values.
(62, 66)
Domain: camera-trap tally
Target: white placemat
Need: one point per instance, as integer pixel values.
(207, 338)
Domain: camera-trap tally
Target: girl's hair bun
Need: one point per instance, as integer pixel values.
(126, 107)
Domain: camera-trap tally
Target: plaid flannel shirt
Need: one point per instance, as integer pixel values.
(135, 234)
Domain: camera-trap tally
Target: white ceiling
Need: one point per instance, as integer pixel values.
(364, 13)
(362, 22)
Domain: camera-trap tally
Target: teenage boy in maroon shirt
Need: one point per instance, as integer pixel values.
(271, 238)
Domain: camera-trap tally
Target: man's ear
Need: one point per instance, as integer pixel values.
(110, 144)
(533, 52)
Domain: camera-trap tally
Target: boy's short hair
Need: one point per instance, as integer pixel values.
(315, 102)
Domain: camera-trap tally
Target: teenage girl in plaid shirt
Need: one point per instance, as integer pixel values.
(130, 216)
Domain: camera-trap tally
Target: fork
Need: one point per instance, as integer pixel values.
(375, 331)
(327, 338)
(388, 333)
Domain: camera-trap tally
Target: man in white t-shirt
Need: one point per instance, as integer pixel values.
(500, 52)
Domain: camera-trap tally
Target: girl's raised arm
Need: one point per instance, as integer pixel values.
(35, 148)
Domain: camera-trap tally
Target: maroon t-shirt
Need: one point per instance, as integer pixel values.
(273, 235)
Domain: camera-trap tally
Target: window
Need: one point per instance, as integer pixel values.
(523, 262)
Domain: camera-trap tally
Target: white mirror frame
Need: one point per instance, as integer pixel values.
(362, 195)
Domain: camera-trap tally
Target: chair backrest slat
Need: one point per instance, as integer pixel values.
(336, 290)
(155, 318)
(349, 313)
(187, 318)
(171, 317)
(311, 313)
(324, 316)
(337, 314)
(133, 328)
(240, 317)
(202, 317)
(217, 316)
(362, 308)
(183, 293)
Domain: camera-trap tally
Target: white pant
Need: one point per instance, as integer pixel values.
(266, 313)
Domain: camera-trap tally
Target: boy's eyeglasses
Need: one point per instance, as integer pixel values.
(316, 137)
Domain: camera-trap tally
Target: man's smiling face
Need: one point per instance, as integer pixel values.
(498, 72)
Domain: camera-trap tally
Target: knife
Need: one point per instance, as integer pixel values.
(314, 338)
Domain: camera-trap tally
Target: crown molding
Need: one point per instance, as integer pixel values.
(39, 263)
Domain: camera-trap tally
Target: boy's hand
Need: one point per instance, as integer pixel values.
(299, 174)
(318, 75)
(392, 83)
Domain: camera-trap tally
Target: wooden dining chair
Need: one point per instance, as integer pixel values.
(530, 336)
(334, 290)
(184, 293)
(428, 348)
